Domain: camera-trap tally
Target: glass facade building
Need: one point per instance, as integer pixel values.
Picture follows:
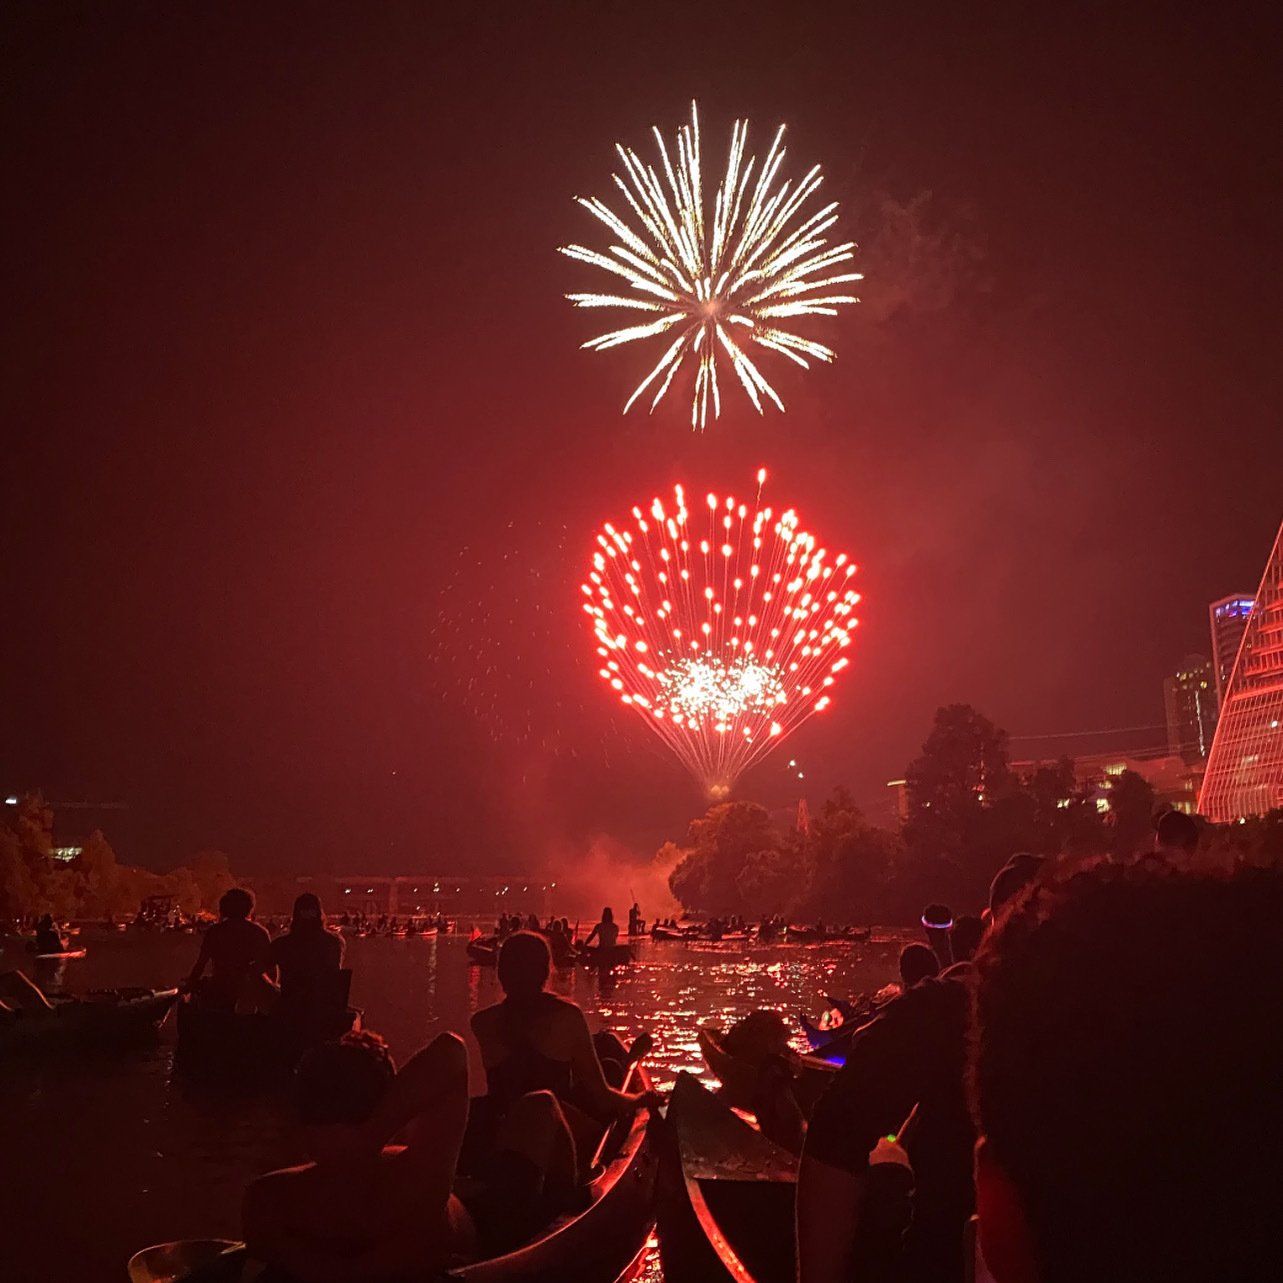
(1245, 770)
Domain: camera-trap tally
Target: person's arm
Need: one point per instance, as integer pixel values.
(202, 960)
(587, 1070)
(592, 935)
(428, 1097)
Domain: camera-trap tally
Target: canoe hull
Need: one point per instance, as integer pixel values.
(727, 1196)
(248, 1050)
(95, 1021)
(602, 1243)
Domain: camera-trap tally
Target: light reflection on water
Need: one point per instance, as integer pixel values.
(113, 1155)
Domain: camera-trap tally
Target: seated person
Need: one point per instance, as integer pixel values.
(1149, 1144)
(308, 956)
(48, 939)
(917, 962)
(757, 1067)
(375, 1202)
(913, 1053)
(606, 932)
(965, 937)
(535, 1042)
(239, 953)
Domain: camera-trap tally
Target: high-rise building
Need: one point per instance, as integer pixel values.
(1189, 696)
(1245, 770)
(1228, 620)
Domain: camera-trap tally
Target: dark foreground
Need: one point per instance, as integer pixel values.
(109, 1155)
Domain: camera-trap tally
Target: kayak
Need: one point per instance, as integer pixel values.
(102, 1018)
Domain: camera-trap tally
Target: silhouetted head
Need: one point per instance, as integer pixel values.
(1126, 1090)
(236, 903)
(608, 915)
(46, 923)
(965, 937)
(917, 962)
(1177, 831)
(344, 1081)
(1012, 878)
(524, 964)
(308, 915)
(760, 1034)
(937, 917)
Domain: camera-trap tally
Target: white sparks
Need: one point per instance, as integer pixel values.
(723, 282)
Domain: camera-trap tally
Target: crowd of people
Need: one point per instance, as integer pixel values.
(1089, 1069)
(406, 1175)
(1090, 1065)
(1092, 1068)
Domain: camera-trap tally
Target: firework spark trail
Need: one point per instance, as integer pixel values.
(759, 261)
(724, 641)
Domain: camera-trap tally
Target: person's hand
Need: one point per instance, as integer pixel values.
(650, 1100)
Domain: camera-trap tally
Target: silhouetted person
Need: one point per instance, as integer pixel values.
(535, 1044)
(917, 962)
(913, 1053)
(237, 950)
(937, 923)
(1176, 834)
(365, 1207)
(1127, 1093)
(606, 932)
(964, 939)
(307, 956)
(48, 939)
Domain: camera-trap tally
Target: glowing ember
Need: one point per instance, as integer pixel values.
(725, 640)
(713, 281)
(711, 688)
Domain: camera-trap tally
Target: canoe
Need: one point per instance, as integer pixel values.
(618, 955)
(484, 951)
(255, 1049)
(727, 1195)
(99, 1019)
(671, 933)
(601, 1243)
(62, 953)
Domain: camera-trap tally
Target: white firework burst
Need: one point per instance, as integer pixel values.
(712, 286)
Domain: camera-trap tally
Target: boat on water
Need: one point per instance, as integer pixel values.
(601, 1243)
(253, 1049)
(484, 951)
(727, 1195)
(801, 934)
(102, 1018)
(56, 954)
(606, 956)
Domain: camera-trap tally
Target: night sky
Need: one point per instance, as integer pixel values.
(303, 461)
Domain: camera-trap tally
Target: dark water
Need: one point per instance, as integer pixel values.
(104, 1154)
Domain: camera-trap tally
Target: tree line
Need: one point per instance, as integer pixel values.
(967, 811)
(94, 885)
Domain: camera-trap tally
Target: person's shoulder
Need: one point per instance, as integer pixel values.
(484, 1018)
(562, 1010)
(257, 929)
